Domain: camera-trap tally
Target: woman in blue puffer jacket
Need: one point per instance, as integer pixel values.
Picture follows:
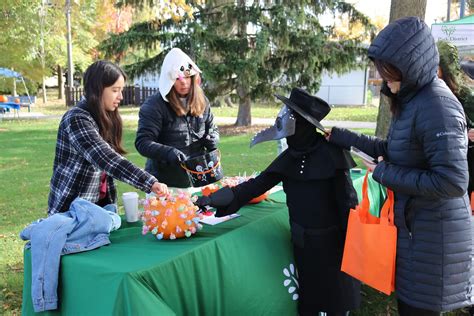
(423, 160)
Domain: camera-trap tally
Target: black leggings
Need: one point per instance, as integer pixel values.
(407, 310)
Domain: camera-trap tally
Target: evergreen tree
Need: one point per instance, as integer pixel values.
(252, 49)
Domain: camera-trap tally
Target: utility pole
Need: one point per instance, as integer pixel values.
(448, 18)
(462, 9)
(42, 17)
(70, 66)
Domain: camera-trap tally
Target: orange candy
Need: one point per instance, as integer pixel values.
(209, 189)
(232, 182)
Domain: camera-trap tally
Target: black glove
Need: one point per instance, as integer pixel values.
(221, 200)
(209, 141)
(176, 156)
(202, 202)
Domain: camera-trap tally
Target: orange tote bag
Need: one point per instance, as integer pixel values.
(371, 244)
(472, 203)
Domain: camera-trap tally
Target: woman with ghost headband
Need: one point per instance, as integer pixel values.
(319, 193)
(175, 123)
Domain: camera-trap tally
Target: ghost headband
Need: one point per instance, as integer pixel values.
(176, 65)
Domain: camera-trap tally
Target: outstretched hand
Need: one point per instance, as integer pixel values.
(160, 189)
(203, 201)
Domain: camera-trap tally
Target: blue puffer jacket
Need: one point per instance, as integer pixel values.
(425, 165)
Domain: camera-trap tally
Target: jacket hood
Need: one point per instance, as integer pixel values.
(176, 65)
(407, 44)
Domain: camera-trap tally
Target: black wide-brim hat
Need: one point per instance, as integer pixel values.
(310, 107)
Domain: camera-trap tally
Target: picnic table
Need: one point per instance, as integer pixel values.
(242, 266)
(7, 106)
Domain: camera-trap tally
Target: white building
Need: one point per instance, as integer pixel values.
(347, 89)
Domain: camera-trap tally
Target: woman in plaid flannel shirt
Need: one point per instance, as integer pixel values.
(89, 146)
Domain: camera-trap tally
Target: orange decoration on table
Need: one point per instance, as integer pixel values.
(171, 217)
(259, 198)
(209, 189)
(232, 182)
(3, 98)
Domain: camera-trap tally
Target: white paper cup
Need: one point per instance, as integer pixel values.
(130, 204)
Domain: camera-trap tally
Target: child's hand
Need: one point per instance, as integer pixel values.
(470, 134)
(160, 189)
(327, 134)
(369, 165)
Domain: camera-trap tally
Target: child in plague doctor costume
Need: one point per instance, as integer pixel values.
(319, 193)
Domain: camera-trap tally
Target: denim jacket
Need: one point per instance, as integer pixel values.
(85, 226)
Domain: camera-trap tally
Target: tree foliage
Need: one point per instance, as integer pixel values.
(34, 33)
(252, 49)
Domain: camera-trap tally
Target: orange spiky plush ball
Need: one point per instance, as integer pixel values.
(171, 217)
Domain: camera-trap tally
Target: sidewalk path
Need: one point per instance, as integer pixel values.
(218, 120)
(263, 121)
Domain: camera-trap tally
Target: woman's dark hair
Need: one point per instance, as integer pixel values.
(451, 81)
(389, 72)
(98, 76)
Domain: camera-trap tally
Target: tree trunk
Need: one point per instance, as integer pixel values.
(43, 87)
(228, 101)
(60, 83)
(244, 117)
(14, 87)
(398, 9)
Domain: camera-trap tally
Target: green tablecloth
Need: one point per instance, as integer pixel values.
(234, 268)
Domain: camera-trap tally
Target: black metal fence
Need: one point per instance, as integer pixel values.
(134, 95)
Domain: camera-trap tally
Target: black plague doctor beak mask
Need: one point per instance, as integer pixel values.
(304, 137)
(297, 120)
(306, 146)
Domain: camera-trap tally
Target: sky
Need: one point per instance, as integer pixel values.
(435, 9)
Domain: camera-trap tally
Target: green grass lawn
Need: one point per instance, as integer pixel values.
(25, 169)
(362, 114)
(258, 110)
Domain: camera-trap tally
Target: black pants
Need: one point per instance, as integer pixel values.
(407, 310)
(470, 164)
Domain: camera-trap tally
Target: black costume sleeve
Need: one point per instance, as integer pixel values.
(372, 146)
(346, 196)
(246, 191)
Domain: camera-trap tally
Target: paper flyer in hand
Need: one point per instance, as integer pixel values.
(213, 220)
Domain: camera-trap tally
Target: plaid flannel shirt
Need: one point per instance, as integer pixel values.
(82, 155)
